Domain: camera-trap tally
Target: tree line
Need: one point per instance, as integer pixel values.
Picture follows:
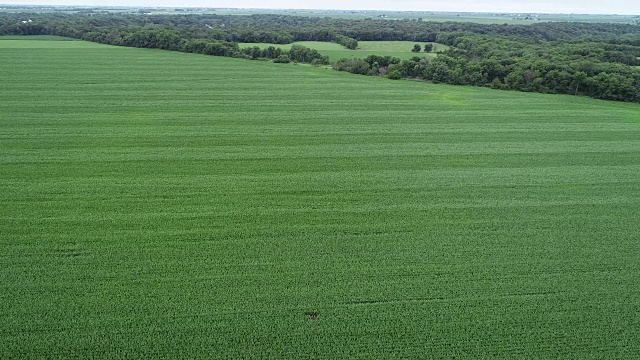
(590, 59)
(500, 63)
(166, 38)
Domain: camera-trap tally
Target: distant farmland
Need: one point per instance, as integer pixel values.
(163, 204)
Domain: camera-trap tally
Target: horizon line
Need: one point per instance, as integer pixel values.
(313, 9)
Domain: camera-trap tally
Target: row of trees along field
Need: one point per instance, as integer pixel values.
(579, 69)
(592, 59)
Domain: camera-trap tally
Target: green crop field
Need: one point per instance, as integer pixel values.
(158, 204)
(400, 49)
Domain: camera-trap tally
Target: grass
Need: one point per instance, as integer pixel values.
(43, 41)
(400, 49)
(163, 204)
(21, 40)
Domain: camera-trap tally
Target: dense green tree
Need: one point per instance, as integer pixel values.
(354, 66)
(442, 73)
(395, 74)
(597, 60)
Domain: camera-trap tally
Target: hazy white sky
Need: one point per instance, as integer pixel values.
(549, 6)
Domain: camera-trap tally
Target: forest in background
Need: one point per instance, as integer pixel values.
(591, 59)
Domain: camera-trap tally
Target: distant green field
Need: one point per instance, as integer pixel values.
(400, 49)
(475, 17)
(525, 19)
(158, 204)
(482, 18)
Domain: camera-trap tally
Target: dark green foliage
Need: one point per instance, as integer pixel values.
(126, 30)
(210, 47)
(428, 48)
(543, 57)
(416, 48)
(319, 62)
(304, 54)
(382, 61)
(256, 52)
(167, 39)
(372, 65)
(354, 66)
(284, 59)
(346, 41)
(595, 69)
(395, 74)
(557, 67)
(282, 29)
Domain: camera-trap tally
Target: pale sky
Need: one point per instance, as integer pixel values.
(539, 6)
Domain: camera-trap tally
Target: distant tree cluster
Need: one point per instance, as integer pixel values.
(597, 69)
(591, 59)
(598, 80)
(346, 41)
(372, 65)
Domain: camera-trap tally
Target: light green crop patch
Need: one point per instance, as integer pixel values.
(400, 49)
